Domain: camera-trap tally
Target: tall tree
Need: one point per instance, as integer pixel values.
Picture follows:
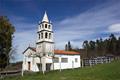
(6, 35)
(86, 47)
(99, 47)
(92, 48)
(118, 46)
(113, 44)
(66, 47)
(69, 46)
(106, 47)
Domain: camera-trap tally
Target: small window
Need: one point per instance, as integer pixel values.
(76, 60)
(42, 25)
(41, 35)
(45, 25)
(64, 60)
(49, 26)
(56, 60)
(49, 35)
(46, 35)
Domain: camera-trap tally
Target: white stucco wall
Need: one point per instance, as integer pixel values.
(27, 58)
(71, 62)
(33, 61)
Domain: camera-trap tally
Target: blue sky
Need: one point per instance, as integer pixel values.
(73, 20)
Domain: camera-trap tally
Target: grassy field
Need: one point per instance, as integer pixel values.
(109, 71)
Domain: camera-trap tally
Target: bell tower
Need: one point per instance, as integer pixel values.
(45, 43)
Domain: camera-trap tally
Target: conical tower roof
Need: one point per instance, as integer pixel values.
(45, 18)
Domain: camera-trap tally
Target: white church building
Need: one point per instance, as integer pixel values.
(44, 57)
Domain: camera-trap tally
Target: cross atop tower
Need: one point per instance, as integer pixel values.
(45, 18)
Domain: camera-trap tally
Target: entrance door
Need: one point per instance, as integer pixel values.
(48, 66)
(29, 65)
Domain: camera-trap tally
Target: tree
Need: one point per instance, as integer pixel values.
(69, 46)
(97, 47)
(3, 62)
(92, 48)
(6, 35)
(118, 46)
(86, 47)
(102, 47)
(106, 47)
(113, 44)
(66, 47)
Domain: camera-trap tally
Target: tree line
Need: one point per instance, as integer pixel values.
(100, 47)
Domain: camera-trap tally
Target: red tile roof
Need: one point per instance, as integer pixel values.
(59, 51)
(66, 52)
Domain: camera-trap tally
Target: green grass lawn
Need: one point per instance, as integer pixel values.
(110, 71)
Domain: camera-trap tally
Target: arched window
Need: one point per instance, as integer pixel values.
(46, 35)
(42, 25)
(49, 35)
(41, 35)
(49, 26)
(45, 25)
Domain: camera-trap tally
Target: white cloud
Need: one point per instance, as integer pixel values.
(114, 28)
(87, 24)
